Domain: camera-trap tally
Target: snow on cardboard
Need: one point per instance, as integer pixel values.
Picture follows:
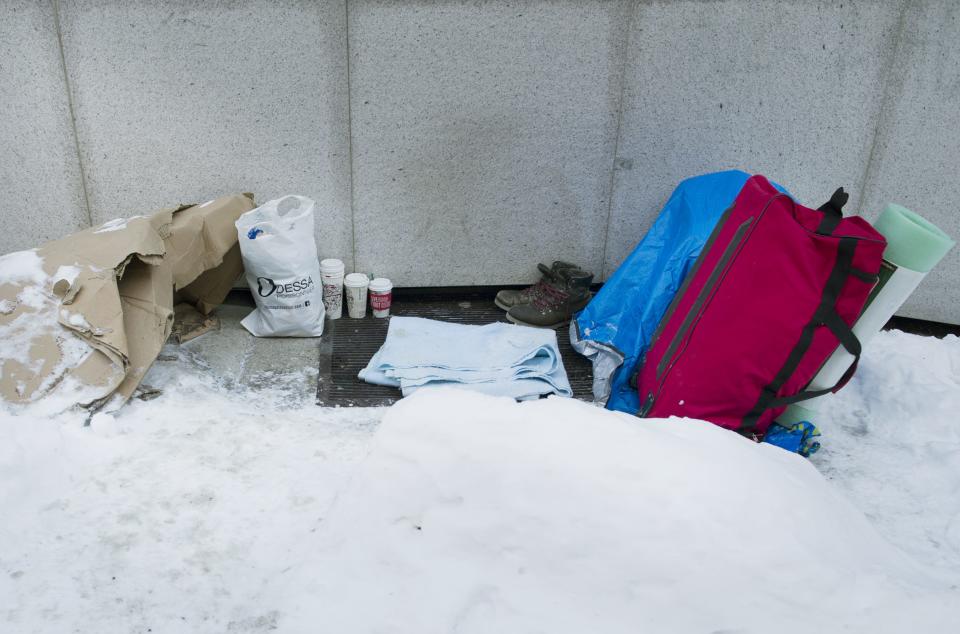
(83, 318)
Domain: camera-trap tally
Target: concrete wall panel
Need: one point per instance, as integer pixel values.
(41, 192)
(184, 101)
(483, 136)
(916, 160)
(791, 90)
(461, 142)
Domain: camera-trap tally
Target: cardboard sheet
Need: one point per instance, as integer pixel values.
(83, 318)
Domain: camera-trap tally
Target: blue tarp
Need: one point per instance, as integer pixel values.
(616, 327)
(802, 438)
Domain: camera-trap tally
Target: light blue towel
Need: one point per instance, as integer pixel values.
(498, 359)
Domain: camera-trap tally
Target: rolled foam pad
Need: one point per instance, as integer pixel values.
(913, 241)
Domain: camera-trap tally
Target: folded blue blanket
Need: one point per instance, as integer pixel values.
(498, 359)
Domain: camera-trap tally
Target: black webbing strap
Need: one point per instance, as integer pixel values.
(824, 315)
(832, 212)
(850, 343)
(783, 401)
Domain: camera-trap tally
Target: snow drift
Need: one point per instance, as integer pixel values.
(478, 514)
(226, 505)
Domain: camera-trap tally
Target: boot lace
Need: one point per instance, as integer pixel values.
(550, 298)
(535, 291)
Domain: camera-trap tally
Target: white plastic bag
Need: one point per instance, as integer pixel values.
(282, 269)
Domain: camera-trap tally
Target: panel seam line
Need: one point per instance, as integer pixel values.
(625, 49)
(70, 107)
(353, 221)
(884, 103)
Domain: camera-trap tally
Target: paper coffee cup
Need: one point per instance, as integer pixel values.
(355, 286)
(381, 296)
(331, 277)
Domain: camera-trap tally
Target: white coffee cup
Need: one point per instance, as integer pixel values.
(381, 296)
(355, 286)
(331, 276)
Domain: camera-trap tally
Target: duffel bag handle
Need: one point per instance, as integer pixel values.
(832, 212)
(851, 344)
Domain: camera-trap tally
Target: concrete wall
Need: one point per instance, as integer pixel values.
(460, 142)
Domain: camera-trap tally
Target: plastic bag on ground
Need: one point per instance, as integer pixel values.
(282, 269)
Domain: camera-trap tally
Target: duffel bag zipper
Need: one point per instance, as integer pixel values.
(635, 377)
(674, 350)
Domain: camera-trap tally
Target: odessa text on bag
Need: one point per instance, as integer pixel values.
(771, 296)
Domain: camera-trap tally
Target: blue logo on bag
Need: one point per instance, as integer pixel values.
(253, 233)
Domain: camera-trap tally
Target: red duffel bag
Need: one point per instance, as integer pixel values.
(773, 293)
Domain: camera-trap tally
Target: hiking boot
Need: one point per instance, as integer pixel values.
(555, 305)
(551, 275)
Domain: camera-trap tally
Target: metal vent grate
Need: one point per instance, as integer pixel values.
(354, 342)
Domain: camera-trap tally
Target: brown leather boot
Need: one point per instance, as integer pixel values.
(555, 305)
(507, 299)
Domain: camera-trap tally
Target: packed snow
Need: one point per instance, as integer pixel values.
(112, 225)
(21, 334)
(474, 514)
(221, 508)
(892, 444)
(172, 515)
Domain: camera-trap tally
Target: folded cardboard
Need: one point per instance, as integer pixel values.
(84, 317)
(189, 323)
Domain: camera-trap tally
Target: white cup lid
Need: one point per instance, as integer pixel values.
(381, 285)
(356, 280)
(331, 265)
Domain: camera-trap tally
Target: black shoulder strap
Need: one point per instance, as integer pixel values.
(832, 212)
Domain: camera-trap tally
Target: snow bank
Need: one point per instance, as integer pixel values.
(171, 515)
(892, 443)
(223, 507)
(478, 514)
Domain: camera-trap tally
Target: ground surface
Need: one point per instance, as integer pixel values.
(350, 343)
(231, 502)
